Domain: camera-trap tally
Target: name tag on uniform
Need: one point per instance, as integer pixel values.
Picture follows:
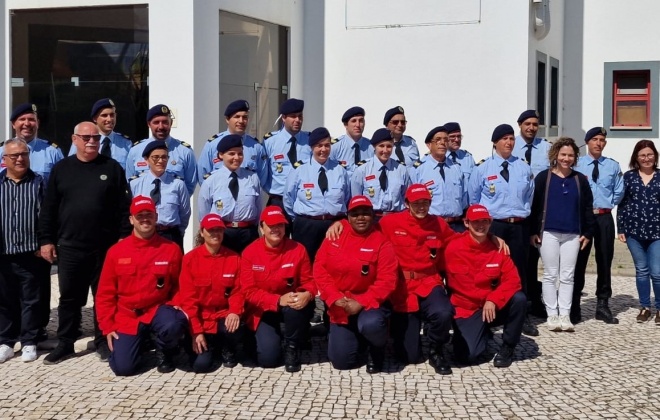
(492, 177)
(495, 265)
(366, 250)
(429, 183)
(308, 185)
(124, 261)
(161, 262)
(400, 233)
(216, 160)
(258, 268)
(370, 177)
(431, 237)
(278, 157)
(229, 275)
(287, 265)
(141, 164)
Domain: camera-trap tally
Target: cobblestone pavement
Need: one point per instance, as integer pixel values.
(600, 371)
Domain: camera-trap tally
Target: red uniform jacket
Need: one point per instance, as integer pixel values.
(138, 276)
(477, 273)
(419, 247)
(209, 288)
(268, 273)
(360, 267)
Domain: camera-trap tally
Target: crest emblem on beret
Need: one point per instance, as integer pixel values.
(164, 109)
(110, 102)
(537, 114)
(34, 108)
(247, 105)
(400, 109)
(602, 131)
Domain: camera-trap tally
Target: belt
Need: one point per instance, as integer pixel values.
(323, 216)
(452, 219)
(602, 211)
(408, 275)
(239, 224)
(163, 228)
(512, 220)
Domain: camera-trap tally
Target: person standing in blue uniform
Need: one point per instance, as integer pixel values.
(168, 192)
(182, 158)
(233, 193)
(455, 153)
(237, 116)
(606, 182)
(43, 154)
(405, 147)
(382, 179)
(504, 184)
(444, 180)
(316, 194)
(352, 149)
(113, 145)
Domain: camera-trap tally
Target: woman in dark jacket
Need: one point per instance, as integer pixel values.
(562, 224)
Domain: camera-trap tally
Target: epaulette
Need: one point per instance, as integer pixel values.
(53, 144)
(427, 153)
(297, 164)
(417, 163)
(207, 175)
(184, 144)
(178, 177)
(250, 169)
(333, 141)
(362, 162)
(213, 137)
(269, 135)
(124, 136)
(134, 177)
(2, 143)
(402, 162)
(480, 162)
(467, 153)
(135, 143)
(343, 163)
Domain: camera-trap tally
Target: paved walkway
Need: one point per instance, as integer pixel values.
(600, 371)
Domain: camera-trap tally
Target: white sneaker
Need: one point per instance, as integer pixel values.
(565, 322)
(29, 353)
(6, 353)
(554, 323)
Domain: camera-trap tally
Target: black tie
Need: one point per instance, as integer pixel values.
(293, 153)
(595, 173)
(453, 157)
(323, 180)
(505, 171)
(399, 152)
(155, 193)
(528, 153)
(442, 170)
(356, 159)
(105, 147)
(233, 185)
(383, 178)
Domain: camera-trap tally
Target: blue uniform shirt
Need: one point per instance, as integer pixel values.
(343, 152)
(276, 147)
(43, 155)
(215, 197)
(181, 162)
(448, 196)
(608, 190)
(463, 158)
(120, 145)
(540, 148)
(409, 148)
(303, 195)
(254, 158)
(502, 199)
(174, 206)
(366, 181)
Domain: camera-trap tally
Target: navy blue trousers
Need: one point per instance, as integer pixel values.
(269, 333)
(214, 342)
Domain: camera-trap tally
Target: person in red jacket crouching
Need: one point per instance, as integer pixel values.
(210, 296)
(139, 278)
(355, 274)
(276, 278)
(485, 291)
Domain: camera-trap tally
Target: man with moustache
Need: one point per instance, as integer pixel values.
(456, 154)
(352, 149)
(405, 147)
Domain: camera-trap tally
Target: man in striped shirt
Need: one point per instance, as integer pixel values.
(23, 273)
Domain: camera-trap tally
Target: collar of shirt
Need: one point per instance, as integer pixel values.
(29, 176)
(225, 172)
(316, 166)
(591, 159)
(499, 159)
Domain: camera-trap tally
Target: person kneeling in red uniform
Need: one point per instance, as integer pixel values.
(485, 290)
(139, 278)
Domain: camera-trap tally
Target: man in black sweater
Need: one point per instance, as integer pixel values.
(85, 211)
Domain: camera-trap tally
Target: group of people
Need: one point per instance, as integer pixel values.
(390, 239)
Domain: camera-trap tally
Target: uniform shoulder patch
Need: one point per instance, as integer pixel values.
(184, 144)
(362, 162)
(297, 164)
(207, 175)
(480, 162)
(2, 143)
(333, 141)
(269, 135)
(467, 153)
(417, 163)
(178, 177)
(213, 137)
(135, 143)
(134, 177)
(54, 145)
(125, 136)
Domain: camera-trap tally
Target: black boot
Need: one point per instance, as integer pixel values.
(438, 362)
(576, 313)
(603, 312)
(504, 357)
(375, 361)
(165, 361)
(229, 357)
(529, 328)
(291, 358)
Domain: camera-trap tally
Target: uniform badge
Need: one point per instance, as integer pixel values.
(491, 188)
(34, 108)
(308, 194)
(173, 162)
(371, 191)
(103, 177)
(219, 205)
(279, 168)
(430, 192)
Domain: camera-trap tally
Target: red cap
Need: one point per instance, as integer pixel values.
(211, 221)
(141, 203)
(477, 212)
(359, 201)
(417, 192)
(272, 215)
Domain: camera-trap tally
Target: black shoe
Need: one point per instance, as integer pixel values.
(229, 358)
(291, 359)
(537, 309)
(42, 335)
(603, 312)
(59, 354)
(165, 361)
(103, 351)
(575, 315)
(438, 362)
(504, 357)
(529, 329)
(375, 361)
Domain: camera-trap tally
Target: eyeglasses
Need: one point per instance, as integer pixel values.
(455, 137)
(157, 158)
(88, 137)
(439, 141)
(15, 156)
(397, 122)
(646, 157)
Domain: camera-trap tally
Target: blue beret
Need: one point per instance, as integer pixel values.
(594, 132)
(230, 141)
(439, 129)
(317, 135)
(292, 106)
(237, 106)
(157, 111)
(501, 131)
(452, 127)
(382, 134)
(153, 145)
(351, 112)
(101, 104)
(392, 112)
(23, 109)
(530, 113)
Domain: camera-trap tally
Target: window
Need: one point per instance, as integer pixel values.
(631, 99)
(540, 91)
